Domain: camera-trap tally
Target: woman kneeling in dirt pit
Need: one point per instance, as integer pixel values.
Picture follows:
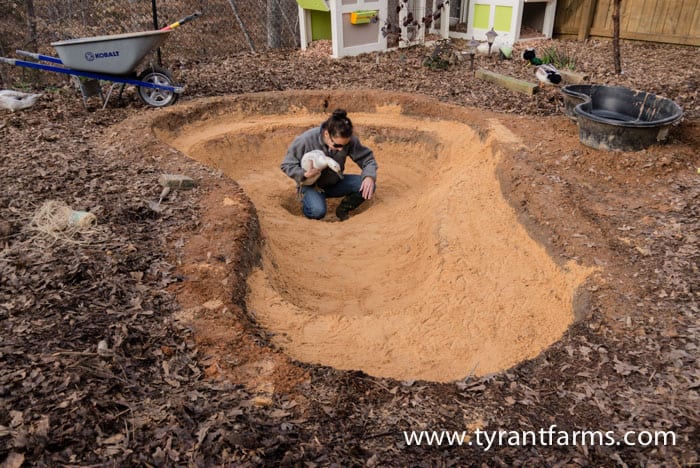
(336, 139)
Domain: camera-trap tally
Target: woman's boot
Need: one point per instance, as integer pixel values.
(348, 203)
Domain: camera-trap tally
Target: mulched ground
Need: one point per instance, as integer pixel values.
(142, 396)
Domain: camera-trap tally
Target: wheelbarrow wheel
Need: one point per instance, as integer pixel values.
(157, 97)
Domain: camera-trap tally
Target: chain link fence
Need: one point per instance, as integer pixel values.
(225, 27)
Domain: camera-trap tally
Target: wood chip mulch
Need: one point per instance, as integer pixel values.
(96, 372)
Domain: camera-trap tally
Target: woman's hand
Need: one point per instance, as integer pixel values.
(367, 188)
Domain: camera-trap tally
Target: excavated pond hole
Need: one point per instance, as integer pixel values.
(433, 279)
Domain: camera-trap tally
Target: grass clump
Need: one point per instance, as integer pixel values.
(558, 58)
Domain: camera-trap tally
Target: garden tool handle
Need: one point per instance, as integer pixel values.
(184, 20)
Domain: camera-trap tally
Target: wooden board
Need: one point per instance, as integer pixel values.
(506, 81)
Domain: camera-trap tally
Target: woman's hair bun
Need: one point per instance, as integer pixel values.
(340, 113)
(338, 124)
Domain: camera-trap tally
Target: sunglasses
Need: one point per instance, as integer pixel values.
(334, 144)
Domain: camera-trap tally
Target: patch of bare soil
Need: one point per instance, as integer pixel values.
(214, 264)
(435, 266)
(100, 364)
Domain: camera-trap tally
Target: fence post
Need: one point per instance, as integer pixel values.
(584, 28)
(154, 9)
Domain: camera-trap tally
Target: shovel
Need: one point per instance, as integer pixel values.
(184, 20)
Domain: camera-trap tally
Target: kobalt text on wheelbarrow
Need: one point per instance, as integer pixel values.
(112, 58)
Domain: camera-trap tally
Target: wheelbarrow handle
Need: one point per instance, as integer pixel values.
(184, 20)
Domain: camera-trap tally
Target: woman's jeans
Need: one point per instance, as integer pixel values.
(314, 201)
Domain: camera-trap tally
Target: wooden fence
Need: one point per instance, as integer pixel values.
(672, 21)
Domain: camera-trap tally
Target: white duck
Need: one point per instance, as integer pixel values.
(547, 74)
(15, 100)
(319, 160)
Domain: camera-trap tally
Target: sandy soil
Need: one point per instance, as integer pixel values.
(434, 280)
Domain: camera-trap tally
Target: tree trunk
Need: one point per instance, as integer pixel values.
(33, 75)
(616, 36)
(4, 78)
(274, 24)
(31, 27)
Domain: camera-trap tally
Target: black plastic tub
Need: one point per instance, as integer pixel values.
(573, 96)
(618, 118)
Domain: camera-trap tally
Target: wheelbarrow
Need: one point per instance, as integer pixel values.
(112, 58)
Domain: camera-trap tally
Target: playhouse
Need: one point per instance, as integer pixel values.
(513, 20)
(353, 25)
(359, 26)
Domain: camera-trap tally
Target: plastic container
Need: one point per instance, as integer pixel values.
(81, 218)
(363, 16)
(573, 96)
(619, 118)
